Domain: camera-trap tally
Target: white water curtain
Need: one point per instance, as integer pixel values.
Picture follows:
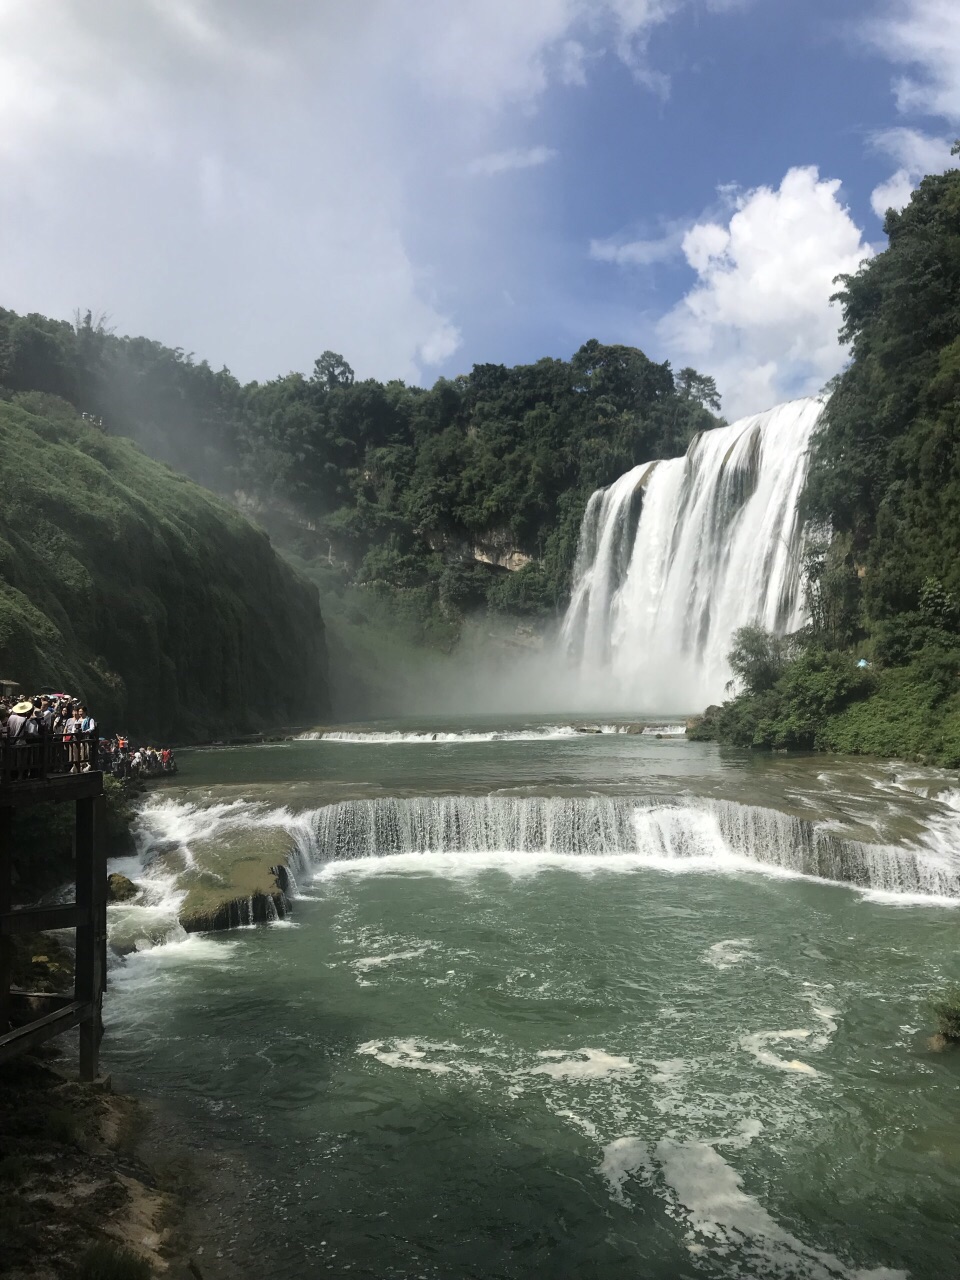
(718, 543)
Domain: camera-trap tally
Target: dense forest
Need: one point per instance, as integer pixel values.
(883, 580)
(127, 584)
(424, 504)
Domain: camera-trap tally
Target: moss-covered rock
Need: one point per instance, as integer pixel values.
(125, 583)
(237, 879)
(120, 888)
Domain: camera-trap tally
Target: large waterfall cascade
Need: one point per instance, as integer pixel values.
(676, 555)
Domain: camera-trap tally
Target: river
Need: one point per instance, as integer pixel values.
(560, 1005)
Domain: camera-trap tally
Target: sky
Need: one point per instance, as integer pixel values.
(422, 185)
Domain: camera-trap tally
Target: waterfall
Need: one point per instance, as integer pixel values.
(675, 555)
(707, 834)
(523, 834)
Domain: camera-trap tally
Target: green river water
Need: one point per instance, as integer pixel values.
(667, 1057)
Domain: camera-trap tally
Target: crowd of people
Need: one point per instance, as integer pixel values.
(29, 722)
(117, 757)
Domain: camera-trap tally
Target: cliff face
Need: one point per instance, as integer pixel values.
(124, 582)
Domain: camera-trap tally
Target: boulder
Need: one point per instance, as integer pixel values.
(120, 888)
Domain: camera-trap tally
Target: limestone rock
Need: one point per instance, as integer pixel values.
(120, 888)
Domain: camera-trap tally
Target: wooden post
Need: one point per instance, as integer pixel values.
(6, 899)
(90, 974)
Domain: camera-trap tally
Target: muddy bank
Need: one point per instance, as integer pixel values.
(88, 1174)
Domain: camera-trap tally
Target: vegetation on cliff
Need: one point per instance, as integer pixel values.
(885, 479)
(129, 585)
(464, 496)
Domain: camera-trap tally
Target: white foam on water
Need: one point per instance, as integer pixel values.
(756, 1044)
(815, 1041)
(186, 950)
(669, 1070)
(720, 1214)
(725, 1226)
(622, 1158)
(591, 1064)
(728, 952)
(456, 737)
(366, 963)
(410, 1054)
(586, 1127)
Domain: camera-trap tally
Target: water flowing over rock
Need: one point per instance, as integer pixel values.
(675, 555)
(715, 835)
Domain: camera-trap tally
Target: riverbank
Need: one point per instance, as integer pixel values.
(822, 700)
(77, 1188)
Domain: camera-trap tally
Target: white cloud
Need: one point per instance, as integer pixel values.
(913, 150)
(923, 35)
(759, 317)
(916, 154)
(515, 158)
(439, 345)
(640, 252)
(895, 193)
(573, 63)
(258, 182)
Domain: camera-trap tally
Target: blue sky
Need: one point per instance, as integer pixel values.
(423, 185)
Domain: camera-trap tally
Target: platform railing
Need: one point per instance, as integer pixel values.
(50, 756)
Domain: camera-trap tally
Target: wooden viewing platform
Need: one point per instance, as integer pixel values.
(52, 771)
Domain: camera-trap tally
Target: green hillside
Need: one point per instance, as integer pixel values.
(156, 602)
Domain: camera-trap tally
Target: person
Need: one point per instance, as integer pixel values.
(16, 722)
(17, 731)
(71, 731)
(47, 712)
(86, 729)
(60, 716)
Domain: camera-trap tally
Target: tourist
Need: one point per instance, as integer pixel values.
(86, 731)
(57, 718)
(17, 723)
(71, 732)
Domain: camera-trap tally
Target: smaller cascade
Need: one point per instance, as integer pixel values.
(708, 834)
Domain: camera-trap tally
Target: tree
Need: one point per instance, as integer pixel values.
(331, 370)
(699, 388)
(758, 658)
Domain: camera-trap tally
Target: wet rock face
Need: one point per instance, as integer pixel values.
(120, 888)
(259, 908)
(237, 878)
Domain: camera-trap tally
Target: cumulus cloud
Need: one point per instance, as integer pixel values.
(924, 37)
(515, 158)
(759, 317)
(258, 182)
(916, 154)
